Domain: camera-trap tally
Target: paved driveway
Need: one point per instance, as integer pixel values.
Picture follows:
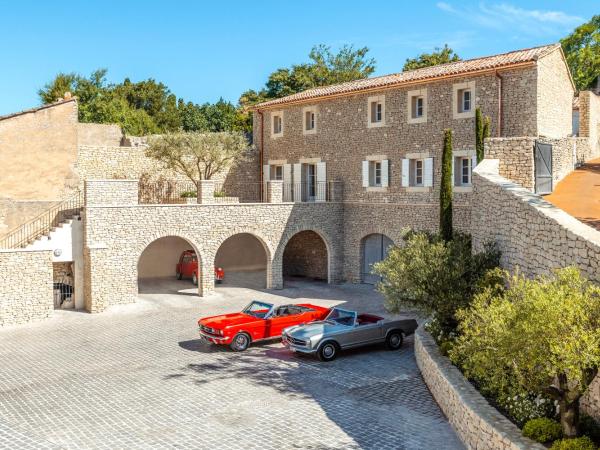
(138, 377)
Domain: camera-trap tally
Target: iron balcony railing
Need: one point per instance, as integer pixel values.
(44, 223)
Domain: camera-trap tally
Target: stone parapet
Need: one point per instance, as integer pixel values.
(274, 191)
(111, 192)
(206, 192)
(476, 422)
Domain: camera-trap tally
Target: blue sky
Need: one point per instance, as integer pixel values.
(205, 50)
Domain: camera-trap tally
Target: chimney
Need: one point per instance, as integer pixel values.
(67, 95)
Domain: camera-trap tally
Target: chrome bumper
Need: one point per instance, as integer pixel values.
(297, 348)
(211, 337)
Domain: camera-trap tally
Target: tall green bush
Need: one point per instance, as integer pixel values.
(435, 276)
(446, 188)
(479, 134)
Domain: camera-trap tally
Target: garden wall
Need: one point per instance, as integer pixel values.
(25, 286)
(477, 424)
(534, 236)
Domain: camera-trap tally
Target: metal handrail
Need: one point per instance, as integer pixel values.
(43, 223)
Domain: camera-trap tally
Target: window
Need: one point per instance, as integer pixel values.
(417, 106)
(463, 168)
(418, 172)
(463, 100)
(310, 120)
(375, 172)
(376, 111)
(276, 173)
(465, 171)
(277, 124)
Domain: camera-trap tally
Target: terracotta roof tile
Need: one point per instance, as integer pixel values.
(427, 73)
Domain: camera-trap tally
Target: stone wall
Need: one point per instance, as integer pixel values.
(13, 213)
(555, 93)
(477, 424)
(99, 134)
(589, 120)
(39, 150)
(26, 286)
(116, 235)
(391, 220)
(516, 158)
(343, 139)
(111, 192)
(305, 255)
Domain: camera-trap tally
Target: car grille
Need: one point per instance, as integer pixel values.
(209, 330)
(295, 341)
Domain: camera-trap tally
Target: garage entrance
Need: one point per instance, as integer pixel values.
(244, 261)
(159, 271)
(306, 256)
(374, 248)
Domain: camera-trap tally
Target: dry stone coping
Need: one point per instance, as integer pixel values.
(491, 426)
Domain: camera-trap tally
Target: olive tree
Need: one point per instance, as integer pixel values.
(542, 335)
(198, 156)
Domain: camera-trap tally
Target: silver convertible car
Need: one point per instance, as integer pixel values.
(343, 329)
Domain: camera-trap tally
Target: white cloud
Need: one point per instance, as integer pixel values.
(506, 17)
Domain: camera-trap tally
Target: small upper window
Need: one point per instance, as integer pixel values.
(376, 111)
(417, 106)
(310, 120)
(465, 100)
(277, 123)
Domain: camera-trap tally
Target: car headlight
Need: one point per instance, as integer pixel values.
(308, 344)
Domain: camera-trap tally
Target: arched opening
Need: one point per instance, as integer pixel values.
(306, 256)
(244, 261)
(373, 248)
(169, 265)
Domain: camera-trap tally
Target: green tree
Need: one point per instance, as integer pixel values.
(486, 130)
(446, 188)
(435, 276)
(542, 334)
(582, 51)
(438, 56)
(479, 125)
(198, 156)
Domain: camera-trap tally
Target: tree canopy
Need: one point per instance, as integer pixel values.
(438, 56)
(582, 50)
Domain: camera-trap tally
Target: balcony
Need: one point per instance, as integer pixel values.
(212, 192)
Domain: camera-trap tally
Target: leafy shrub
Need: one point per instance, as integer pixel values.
(542, 430)
(580, 443)
(188, 194)
(521, 407)
(540, 330)
(434, 276)
(589, 427)
(219, 194)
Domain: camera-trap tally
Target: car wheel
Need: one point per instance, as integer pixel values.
(240, 342)
(179, 275)
(195, 279)
(394, 340)
(328, 351)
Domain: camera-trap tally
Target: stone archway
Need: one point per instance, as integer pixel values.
(306, 254)
(245, 259)
(158, 271)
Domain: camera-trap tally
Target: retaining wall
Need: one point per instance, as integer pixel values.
(476, 422)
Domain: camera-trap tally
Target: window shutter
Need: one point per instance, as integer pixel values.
(473, 161)
(297, 194)
(287, 182)
(405, 172)
(365, 173)
(384, 173)
(456, 168)
(266, 173)
(428, 179)
(321, 182)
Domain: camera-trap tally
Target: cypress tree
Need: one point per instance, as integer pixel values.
(486, 127)
(446, 188)
(479, 134)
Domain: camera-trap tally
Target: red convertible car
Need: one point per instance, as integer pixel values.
(258, 321)
(188, 267)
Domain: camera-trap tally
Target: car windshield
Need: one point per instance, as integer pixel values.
(257, 309)
(342, 317)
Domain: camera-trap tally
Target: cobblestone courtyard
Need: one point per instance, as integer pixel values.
(139, 377)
